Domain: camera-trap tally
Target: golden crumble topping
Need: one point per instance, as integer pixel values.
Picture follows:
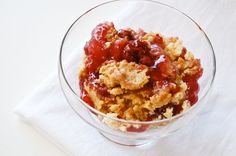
(124, 81)
(129, 76)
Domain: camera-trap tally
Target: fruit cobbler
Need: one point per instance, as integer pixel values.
(138, 75)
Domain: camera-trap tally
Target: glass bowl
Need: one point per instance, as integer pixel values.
(150, 16)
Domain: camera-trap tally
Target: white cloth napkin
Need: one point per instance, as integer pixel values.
(212, 133)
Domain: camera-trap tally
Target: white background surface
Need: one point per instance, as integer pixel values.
(30, 35)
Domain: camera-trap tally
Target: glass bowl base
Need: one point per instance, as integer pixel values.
(125, 142)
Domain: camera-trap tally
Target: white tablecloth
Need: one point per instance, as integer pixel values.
(210, 133)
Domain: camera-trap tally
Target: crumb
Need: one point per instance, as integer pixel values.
(129, 76)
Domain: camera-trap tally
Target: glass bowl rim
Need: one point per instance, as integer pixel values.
(133, 121)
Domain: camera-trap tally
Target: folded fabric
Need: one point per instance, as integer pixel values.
(47, 110)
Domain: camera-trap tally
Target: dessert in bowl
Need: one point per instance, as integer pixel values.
(139, 76)
(137, 81)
